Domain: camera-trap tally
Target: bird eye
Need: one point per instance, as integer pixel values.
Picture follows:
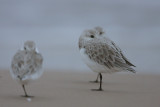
(100, 33)
(92, 36)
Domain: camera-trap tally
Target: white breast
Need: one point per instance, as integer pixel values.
(93, 65)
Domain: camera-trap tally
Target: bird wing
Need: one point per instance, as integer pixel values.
(107, 54)
(33, 64)
(118, 49)
(38, 60)
(25, 64)
(18, 64)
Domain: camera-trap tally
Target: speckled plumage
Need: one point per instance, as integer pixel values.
(26, 64)
(101, 54)
(103, 51)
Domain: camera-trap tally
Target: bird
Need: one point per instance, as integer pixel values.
(101, 54)
(26, 65)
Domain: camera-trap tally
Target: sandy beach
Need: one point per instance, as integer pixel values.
(72, 89)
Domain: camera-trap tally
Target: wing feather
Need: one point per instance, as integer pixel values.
(107, 54)
(18, 64)
(25, 64)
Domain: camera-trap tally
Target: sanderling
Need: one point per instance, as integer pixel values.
(101, 54)
(26, 65)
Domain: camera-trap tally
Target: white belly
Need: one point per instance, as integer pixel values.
(93, 65)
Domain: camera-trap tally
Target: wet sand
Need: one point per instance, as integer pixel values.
(72, 89)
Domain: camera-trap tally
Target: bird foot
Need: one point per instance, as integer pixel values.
(97, 89)
(94, 81)
(27, 96)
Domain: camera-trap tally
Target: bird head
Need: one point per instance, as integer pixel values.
(90, 35)
(29, 46)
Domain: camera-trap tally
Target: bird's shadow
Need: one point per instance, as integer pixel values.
(27, 99)
(109, 90)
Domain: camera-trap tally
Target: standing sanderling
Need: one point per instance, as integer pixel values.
(101, 54)
(26, 65)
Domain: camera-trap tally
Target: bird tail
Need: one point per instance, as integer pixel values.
(131, 70)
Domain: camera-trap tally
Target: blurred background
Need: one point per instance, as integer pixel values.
(55, 26)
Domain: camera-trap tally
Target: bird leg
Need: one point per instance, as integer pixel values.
(26, 95)
(100, 87)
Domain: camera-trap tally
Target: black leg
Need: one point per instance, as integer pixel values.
(100, 87)
(24, 91)
(26, 95)
(96, 81)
